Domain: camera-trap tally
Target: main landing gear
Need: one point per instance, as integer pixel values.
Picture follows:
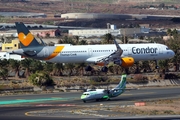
(104, 69)
(156, 62)
(88, 68)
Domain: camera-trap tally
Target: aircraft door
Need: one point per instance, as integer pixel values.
(129, 51)
(89, 51)
(46, 52)
(160, 50)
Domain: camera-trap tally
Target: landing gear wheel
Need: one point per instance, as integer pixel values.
(157, 67)
(97, 100)
(84, 101)
(88, 68)
(108, 99)
(104, 69)
(156, 62)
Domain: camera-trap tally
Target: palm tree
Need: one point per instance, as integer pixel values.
(82, 42)
(69, 67)
(15, 64)
(4, 68)
(174, 44)
(108, 37)
(174, 32)
(145, 65)
(138, 65)
(80, 67)
(4, 63)
(169, 32)
(36, 65)
(76, 39)
(26, 63)
(48, 67)
(68, 40)
(4, 73)
(164, 65)
(58, 67)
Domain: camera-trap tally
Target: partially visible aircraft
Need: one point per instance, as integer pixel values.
(101, 55)
(103, 94)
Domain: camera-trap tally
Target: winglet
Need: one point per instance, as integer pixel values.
(118, 47)
(25, 36)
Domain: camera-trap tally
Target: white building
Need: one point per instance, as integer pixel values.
(94, 32)
(6, 55)
(100, 32)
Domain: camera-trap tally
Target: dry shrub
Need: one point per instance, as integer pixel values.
(139, 78)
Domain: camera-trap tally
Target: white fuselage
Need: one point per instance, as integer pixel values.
(93, 95)
(92, 53)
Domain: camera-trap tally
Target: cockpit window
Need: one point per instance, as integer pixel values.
(167, 49)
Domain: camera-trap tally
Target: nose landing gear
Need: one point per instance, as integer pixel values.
(156, 62)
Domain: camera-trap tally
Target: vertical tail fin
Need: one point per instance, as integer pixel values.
(120, 88)
(25, 37)
(122, 83)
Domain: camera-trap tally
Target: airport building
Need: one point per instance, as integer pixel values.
(14, 45)
(22, 15)
(95, 16)
(115, 32)
(93, 32)
(117, 16)
(7, 47)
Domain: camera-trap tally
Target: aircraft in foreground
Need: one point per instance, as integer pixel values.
(103, 94)
(124, 55)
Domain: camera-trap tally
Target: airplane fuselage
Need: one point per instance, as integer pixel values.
(92, 53)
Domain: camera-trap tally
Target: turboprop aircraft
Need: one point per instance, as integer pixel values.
(102, 94)
(121, 54)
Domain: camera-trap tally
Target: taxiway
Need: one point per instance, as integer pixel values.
(30, 106)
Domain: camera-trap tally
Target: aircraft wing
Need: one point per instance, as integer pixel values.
(96, 59)
(114, 55)
(107, 58)
(126, 89)
(84, 90)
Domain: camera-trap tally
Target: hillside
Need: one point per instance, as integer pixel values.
(57, 7)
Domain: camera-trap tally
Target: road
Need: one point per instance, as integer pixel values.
(23, 106)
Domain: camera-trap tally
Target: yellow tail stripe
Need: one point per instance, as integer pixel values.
(57, 50)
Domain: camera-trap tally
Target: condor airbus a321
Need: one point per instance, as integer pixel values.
(121, 54)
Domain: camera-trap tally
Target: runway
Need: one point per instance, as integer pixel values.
(20, 106)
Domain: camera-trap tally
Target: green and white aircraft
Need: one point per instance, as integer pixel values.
(103, 94)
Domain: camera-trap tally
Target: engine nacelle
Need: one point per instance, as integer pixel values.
(125, 62)
(118, 62)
